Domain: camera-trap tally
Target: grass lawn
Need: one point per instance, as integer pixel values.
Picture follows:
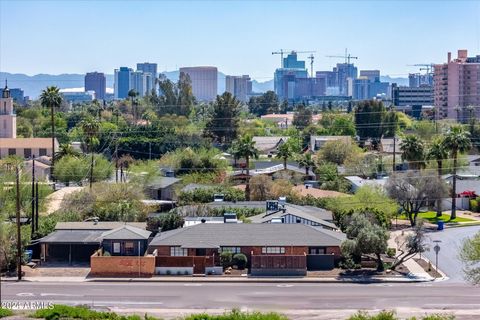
(431, 217)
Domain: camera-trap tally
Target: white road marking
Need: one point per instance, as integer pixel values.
(60, 295)
(192, 284)
(25, 294)
(284, 285)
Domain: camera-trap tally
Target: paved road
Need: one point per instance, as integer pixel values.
(300, 300)
(448, 260)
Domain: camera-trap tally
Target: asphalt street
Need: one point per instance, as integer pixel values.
(292, 298)
(451, 241)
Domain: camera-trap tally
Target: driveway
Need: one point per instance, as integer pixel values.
(55, 199)
(448, 260)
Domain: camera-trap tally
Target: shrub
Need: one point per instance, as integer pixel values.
(240, 260)
(383, 315)
(391, 252)
(81, 312)
(474, 206)
(168, 272)
(226, 259)
(235, 314)
(5, 313)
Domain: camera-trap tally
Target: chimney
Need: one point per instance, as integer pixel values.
(449, 57)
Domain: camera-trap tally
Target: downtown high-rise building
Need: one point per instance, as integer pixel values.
(239, 86)
(96, 81)
(204, 82)
(456, 87)
(151, 68)
(343, 72)
(122, 82)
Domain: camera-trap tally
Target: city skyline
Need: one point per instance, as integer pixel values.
(93, 36)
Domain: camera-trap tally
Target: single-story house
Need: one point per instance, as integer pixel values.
(196, 249)
(317, 142)
(42, 170)
(284, 121)
(163, 188)
(75, 242)
(358, 182)
(125, 241)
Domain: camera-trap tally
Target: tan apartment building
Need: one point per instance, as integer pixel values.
(204, 82)
(457, 87)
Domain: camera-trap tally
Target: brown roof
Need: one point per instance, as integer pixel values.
(317, 193)
(23, 143)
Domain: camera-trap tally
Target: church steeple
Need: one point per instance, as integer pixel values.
(6, 91)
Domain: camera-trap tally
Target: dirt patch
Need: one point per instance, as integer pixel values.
(429, 268)
(46, 271)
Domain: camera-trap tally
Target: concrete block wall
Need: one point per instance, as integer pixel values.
(122, 266)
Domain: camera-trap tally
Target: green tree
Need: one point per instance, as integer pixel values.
(224, 120)
(457, 140)
(284, 152)
(165, 222)
(245, 148)
(305, 160)
(264, 104)
(52, 99)
(329, 177)
(66, 149)
(338, 151)
(470, 256)
(302, 117)
(369, 118)
(365, 238)
(438, 153)
(413, 151)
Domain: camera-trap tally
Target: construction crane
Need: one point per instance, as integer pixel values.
(311, 57)
(285, 51)
(347, 57)
(426, 66)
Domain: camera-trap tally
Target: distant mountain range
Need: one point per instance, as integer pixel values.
(33, 85)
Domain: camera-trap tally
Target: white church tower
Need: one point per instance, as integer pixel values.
(8, 119)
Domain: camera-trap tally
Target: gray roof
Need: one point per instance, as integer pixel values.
(163, 182)
(100, 225)
(126, 232)
(267, 143)
(263, 218)
(203, 218)
(73, 237)
(247, 234)
(195, 186)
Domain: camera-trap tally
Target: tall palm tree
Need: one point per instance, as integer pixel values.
(457, 140)
(413, 151)
(306, 161)
(245, 148)
(90, 127)
(51, 98)
(438, 153)
(284, 152)
(132, 94)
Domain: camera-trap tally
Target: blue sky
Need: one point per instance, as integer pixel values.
(236, 36)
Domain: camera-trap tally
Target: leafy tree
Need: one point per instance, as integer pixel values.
(51, 98)
(264, 104)
(175, 98)
(66, 150)
(245, 148)
(302, 117)
(260, 187)
(205, 195)
(338, 151)
(76, 169)
(410, 245)
(329, 177)
(413, 151)
(364, 165)
(223, 123)
(305, 160)
(370, 120)
(457, 140)
(240, 260)
(414, 190)
(165, 222)
(470, 256)
(365, 238)
(438, 153)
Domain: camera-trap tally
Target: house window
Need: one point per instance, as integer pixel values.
(273, 250)
(12, 152)
(42, 152)
(317, 251)
(27, 153)
(178, 252)
(129, 248)
(233, 250)
(116, 247)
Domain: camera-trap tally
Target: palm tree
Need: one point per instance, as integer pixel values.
(438, 152)
(51, 98)
(245, 148)
(306, 161)
(132, 94)
(413, 151)
(90, 127)
(284, 152)
(124, 162)
(457, 140)
(66, 150)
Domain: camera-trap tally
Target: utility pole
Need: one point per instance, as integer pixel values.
(33, 195)
(149, 150)
(91, 170)
(19, 236)
(36, 206)
(394, 152)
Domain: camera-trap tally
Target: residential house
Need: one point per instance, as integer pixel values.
(285, 121)
(358, 182)
(269, 145)
(270, 248)
(163, 188)
(75, 242)
(126, 240)
(306, 190)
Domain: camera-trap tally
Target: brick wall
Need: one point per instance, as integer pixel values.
(122, 266)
